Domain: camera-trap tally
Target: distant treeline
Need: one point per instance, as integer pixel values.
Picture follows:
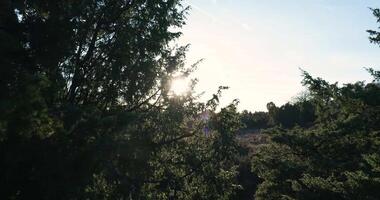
(325, 144)
(333, 154)
(300, 113)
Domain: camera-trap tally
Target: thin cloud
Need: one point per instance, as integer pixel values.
(200, 10)
(233, 20)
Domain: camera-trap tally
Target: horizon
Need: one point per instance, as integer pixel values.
(247, 44)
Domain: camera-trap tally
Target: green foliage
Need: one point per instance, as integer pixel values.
(86, 111)
(337, 158)
(256, 120)
(301, 113)
(375, 35)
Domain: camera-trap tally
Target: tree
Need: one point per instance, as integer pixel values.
(375, 35)
(338, 157)
(335, 159)
(273, 113)
(256, 120)
(85, 106)
(301, 113)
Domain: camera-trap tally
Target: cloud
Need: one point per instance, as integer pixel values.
(232, 20)
(204, 12)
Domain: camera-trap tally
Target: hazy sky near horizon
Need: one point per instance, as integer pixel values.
(256, 47)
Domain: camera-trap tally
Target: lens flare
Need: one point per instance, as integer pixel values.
(179, 86)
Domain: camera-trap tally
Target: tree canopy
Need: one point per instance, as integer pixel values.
(86, 111)
(338, 156)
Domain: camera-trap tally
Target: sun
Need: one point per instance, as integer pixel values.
(179, 86)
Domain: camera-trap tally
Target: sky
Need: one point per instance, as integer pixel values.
(257, 47)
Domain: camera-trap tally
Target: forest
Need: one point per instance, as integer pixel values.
(86, 112)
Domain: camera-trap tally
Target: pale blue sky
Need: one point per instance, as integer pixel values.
(257, 46)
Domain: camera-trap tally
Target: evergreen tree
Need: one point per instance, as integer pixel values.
(338, 157)
(86, 112)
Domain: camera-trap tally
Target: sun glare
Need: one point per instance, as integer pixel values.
(179, 86)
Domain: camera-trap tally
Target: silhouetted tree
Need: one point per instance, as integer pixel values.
(256, 120)
(338, 157)
(273, 113)
(86, 112)
(375, 35)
